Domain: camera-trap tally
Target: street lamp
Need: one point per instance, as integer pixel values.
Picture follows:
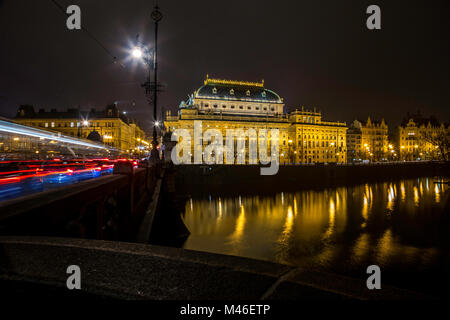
(80, 125)
(151, 88)
(156, 16)
(137, 53)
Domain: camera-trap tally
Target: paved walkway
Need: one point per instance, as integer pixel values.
(138, 271)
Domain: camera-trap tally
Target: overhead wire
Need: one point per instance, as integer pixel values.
(90, 35)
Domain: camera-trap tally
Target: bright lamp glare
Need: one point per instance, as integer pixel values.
(137, 53)
(157, 123)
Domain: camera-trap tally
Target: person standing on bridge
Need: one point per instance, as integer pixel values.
(155, 161)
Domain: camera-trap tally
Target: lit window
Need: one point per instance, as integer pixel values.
(214, 90)
(46, 124)
(232, 92)
(53, 124)
(72, 124)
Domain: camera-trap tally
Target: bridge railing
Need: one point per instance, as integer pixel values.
(109, 207)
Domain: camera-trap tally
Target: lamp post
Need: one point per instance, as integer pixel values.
(83, 123)
(156, 16)
(151, 87)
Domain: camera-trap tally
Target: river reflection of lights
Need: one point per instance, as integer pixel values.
(384, 247)
(402, 191)
(416, 196)
(310, 227)
(337, 201)
(361, 248)
(240, 224)
(287, 228)
(436, 193)
(365, 210)
(367, 204)
(332, 216)
(220, 208)
(391, 198)
(295, 206)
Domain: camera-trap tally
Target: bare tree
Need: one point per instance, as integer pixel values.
(440, 140)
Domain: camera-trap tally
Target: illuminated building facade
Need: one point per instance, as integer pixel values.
(368, 140)
(24, 142)
(225, 104)
(109, 126)
(420, 138)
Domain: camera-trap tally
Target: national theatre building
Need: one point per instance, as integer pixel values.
(224, 104)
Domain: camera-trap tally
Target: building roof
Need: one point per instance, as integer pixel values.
(237, 90)
(420, 120)
(111, 111)
(371, 122)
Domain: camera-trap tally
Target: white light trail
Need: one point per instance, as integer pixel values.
(14, 128)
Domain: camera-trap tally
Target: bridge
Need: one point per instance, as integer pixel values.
(122, 206)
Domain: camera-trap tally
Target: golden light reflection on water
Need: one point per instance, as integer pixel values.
(365, 209)
(288, 224)
(361, 248)
(436, 192)
(348, 224)
(236, 237)
(385, 246)
(391, 198)
(220, 209)
(402, 190)
(367, 205)
(332, 216)
(295, 206)
(416, 196)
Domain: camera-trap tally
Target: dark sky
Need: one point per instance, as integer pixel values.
(314, 53)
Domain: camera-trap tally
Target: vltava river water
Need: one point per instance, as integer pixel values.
(402, 226)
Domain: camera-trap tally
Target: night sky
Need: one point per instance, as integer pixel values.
(313, 53)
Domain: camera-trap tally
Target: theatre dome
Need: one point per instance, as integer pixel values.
(237, 90)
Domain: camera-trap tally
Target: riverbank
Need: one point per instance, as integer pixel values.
(234, 180)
